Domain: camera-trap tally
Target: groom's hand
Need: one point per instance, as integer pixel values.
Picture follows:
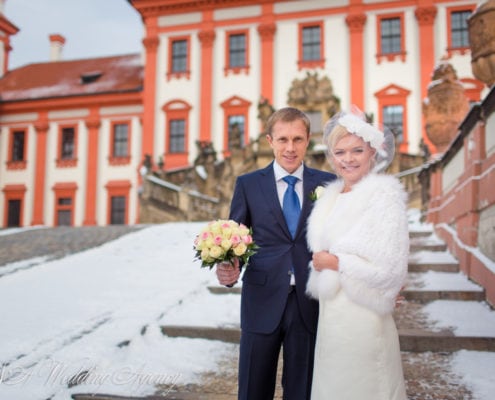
(228, 274)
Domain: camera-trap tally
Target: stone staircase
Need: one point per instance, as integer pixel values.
(434, 287)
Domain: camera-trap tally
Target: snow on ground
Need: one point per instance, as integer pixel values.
(98, 314)
(433, 280)
(467, 318)
(67, 316)
(432, 257)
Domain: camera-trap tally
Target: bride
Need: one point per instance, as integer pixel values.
(359, 238)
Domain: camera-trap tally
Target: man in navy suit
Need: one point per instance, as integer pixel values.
(275, 311)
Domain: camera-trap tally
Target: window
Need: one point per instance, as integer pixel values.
(178, 62)
(393, 118)
(117, 210)
(18, 146)
(14, 213)
(17, 149)
(390, 34)
(457, 29)
(390, 37)
(175, 153)
(120, 143)
(236, 131)
(235, 123)
(67, 147)
(315, 118)
(237, 52)
(13, 208)
(392, 106)
(311, 45)
(65, 194)
(64, 211)
(177, 136)
(118, 202)
(68, 144)
(120, 140)
(179, 56)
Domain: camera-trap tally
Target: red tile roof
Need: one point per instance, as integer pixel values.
(114, 74)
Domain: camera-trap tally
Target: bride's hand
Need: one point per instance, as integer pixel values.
(325, 260)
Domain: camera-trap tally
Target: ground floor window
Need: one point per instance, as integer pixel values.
(65, 195)
(118, 202)
(13, 205)
(117, 210)
(14, 213)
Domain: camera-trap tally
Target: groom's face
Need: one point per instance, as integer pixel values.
(289, 141)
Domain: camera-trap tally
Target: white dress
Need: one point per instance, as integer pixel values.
(357, 354)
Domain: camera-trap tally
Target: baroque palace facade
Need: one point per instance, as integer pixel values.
(77, 137)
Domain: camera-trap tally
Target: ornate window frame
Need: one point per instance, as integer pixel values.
(381, 56)
(179, 74)
(311, 64)
(236, 69)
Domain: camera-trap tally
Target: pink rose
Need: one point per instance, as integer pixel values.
(247, 239)
(235, 239)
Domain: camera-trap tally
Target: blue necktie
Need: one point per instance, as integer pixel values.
(291, 205)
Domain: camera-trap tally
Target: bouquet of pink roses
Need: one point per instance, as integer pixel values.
(223, 240)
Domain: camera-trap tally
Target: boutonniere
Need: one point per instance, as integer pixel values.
(316, 194)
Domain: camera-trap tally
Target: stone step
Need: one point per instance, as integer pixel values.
(419, 234)
(425, 296)
(421, 296)
(413, 340)
(228, 335)
(168, 396)
(420, 341)
(440, 267)
(414, 247)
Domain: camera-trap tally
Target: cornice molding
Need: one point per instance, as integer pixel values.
(149, 8)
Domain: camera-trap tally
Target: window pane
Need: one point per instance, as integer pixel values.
(315, 120)
(459, 28)
(120, 140)
(390, 35)
(237, 50)
(68, 135)
(18, 146)
(117, 212)
(179, 56)
(177, 136)
(64, 201)
(393, 119)
(236, 131)
(64, 218)
(311, 43)
(14, 213)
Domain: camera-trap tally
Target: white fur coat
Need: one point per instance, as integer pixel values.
(367, 230)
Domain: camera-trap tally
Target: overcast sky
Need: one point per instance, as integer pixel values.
(92, 28)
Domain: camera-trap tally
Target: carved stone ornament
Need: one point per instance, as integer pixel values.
(445, 107)
(311, 92)
(481, 26)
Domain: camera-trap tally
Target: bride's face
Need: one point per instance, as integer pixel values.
(352, 158)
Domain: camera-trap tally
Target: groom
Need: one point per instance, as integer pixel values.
(275, 310)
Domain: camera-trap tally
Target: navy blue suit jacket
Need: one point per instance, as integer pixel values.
(266, 279)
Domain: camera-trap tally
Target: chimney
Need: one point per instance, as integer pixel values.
(2, 5)
(56, 46)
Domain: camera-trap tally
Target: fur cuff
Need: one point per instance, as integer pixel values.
(323, 285)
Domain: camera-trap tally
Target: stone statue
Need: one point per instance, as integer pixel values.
(445, 107)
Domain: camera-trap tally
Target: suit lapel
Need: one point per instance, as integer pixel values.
(309, 184)
(269, 190)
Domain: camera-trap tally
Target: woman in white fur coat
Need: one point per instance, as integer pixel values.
(359, 238)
